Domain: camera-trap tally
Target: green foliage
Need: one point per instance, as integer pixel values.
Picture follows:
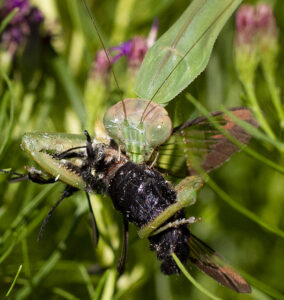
(182, 53)
(60, 96)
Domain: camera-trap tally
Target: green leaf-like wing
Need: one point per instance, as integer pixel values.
(182, 53)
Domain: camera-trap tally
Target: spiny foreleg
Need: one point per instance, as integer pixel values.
(186, 195)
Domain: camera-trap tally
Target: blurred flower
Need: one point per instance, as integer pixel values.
(245, 25)
(256, 37)
(152, 36)
(101, 66)
(122, 50)
(137, 53)
(134, 50)
(265, 21)
(27, 20)
(257, 43)
(267, 31)
(246, 42)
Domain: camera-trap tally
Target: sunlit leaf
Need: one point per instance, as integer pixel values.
(182, 53)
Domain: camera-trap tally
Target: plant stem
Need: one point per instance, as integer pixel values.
(249, 88)
(274, 92)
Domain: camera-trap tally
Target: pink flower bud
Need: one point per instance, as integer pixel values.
(246, 25)
(265, 20)
(137, 51)
(102, 65)
(152, 36)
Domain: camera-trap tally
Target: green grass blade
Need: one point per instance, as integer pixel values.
(31, 205)
(64, 294)
(110, 284)
(11, 116)
(263, 287)
(45, 269)
(7, 19)
(243, 147)
(253, 131)
(87, 280)
(71, 89)
(241, 209)
(193, 281)
(100, 285)
(14, 281)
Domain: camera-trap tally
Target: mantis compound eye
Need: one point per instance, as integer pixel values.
(145, 126)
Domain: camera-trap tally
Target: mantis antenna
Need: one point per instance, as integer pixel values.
(107, 55)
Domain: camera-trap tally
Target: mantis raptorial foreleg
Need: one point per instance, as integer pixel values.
(186, 196)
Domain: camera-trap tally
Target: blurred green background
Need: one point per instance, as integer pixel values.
(49, 88)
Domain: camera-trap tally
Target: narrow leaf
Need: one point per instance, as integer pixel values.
(14, 281)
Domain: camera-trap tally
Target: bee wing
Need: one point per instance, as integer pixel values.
(202, 145)
(211, 263)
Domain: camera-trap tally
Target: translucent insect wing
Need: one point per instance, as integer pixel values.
(202, 145)
(212, 264)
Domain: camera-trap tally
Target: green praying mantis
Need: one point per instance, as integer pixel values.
(127, 167)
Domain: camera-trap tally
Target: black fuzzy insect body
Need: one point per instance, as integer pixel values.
(141, 194)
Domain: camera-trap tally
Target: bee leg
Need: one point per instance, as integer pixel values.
(123, 255)
(90, 150)
(69, 190)
(186, 195)
(94, 223)
(70, 153)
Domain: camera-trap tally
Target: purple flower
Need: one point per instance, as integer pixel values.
(137, 52)
(135, 49)
(36, 16)
(27, 20)
(122, 50)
